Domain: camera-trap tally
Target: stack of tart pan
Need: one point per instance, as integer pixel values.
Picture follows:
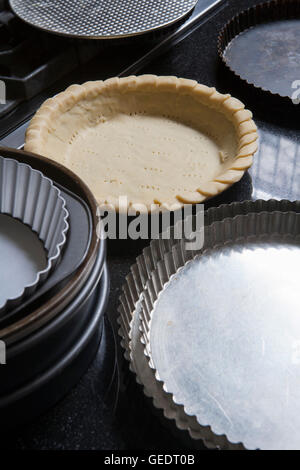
(54, 282)
(212, 335)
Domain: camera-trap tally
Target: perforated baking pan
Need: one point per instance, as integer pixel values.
(52, 338)
(101, 19)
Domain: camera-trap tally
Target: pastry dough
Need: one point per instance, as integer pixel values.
(155, 140)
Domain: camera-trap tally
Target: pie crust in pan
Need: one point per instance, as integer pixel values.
(161, 141)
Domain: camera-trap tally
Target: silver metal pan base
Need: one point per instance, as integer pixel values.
(142, 290)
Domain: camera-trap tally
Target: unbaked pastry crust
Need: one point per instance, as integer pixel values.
(157, 140)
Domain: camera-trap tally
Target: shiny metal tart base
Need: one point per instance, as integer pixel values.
(221, 352)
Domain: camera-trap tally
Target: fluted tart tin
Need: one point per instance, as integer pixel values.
(53, 335)
(33, 230)
(261, 42)
(263, 238)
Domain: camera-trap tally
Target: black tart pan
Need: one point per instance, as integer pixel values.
(38, 315)
(48, 387)
(52, 338)
(260, 46)
(32, 355)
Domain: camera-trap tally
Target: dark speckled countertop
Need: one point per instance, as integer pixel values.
(85, 419)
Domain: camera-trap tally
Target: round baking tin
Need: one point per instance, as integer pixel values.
(253, 33)
(139, 291)
(76, 248)
(232, 364)
(52, 306)
(29, 197)
(101, 19)
(45, 389)
(52, 343)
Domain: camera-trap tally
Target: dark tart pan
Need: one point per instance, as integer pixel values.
(36, 318)
(53, 338)
(48, 387)
(260, 46)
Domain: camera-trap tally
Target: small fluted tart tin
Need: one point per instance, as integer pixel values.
(33, 230)
(230, 328)
(261, 47)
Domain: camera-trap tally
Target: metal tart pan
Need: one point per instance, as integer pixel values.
(51, 341)
(28, 200)
(267, 35)
(76, 248)
(53, 324)
(66, 292)
(48, 387)
(220, 332)
(131, 307)
(102, 19)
